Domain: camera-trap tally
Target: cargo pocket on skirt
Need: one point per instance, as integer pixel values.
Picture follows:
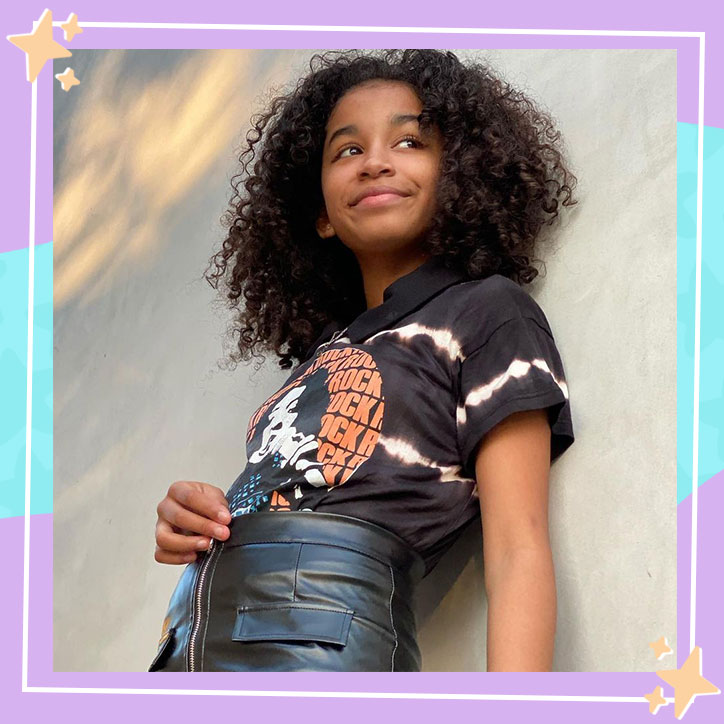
(292, 621)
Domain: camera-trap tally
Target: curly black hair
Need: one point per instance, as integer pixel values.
(503, 176)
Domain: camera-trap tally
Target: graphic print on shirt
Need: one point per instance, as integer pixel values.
(313, 433)
(456, 359)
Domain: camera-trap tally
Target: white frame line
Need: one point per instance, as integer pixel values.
(697, 341)
(697, 344)
(345, 694)
(388, 29)
(29, 396)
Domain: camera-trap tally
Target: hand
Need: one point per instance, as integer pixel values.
(188, 517)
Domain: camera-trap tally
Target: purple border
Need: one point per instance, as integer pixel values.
(457, 14)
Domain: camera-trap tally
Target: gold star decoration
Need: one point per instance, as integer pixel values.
(67, 79)
(39, 45)
(688, 682)
(656, 699)
(71, 28)
(661, 647)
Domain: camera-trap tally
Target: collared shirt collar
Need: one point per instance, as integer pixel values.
(399, 299)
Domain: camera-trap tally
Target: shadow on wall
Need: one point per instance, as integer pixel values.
(454, 593)
(452, 611)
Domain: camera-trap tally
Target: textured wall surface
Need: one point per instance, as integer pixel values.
(144, 150)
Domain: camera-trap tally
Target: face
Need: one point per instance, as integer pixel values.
(373, 144)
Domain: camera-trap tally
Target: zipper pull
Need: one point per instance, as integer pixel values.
(336, 336)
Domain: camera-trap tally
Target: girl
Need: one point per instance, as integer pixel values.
(381, 241)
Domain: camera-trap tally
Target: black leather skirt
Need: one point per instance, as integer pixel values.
(296, 591)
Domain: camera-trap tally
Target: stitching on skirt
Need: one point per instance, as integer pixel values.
(296, 571)
(286, 604)
(367, 553)
(392, 619)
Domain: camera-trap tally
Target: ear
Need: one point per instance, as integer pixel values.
(324, 226)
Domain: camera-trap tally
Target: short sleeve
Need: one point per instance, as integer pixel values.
(517, 368)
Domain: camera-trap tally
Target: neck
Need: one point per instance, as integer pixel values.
(379, 272)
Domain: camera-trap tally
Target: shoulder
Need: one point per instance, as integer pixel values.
(480, 307)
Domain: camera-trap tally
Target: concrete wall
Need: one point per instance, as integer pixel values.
(144, 150)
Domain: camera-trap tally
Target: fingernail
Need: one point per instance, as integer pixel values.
(219, 532)
(223, 515)
(202, 545)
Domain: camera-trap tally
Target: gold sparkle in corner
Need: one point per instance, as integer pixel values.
(688, 682)
(67, 79)
(39, 46)
(661, 648)
(656, 699)
(71, 28)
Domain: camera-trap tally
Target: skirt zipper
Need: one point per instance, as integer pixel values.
(212, 553)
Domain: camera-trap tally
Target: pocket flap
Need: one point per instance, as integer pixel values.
(292, 621)
(163, 647)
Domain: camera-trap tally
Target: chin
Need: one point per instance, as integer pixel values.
(389, 237)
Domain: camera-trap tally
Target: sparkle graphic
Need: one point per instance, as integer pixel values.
(660, 647)
(39, 46)
(688, 682)
(67, 79)
(71, 28)
(656, 699)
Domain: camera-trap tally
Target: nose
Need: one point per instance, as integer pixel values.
(376, 161)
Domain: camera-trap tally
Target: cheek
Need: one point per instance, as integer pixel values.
(427, 173)
(331, 190)
(325, 188)
(434, 170)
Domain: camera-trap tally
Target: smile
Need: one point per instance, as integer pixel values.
(379, 200)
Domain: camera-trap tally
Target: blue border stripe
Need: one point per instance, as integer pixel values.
(14, 322)
(13, 373)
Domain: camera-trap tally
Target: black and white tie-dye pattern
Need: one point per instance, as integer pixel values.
(383, 419)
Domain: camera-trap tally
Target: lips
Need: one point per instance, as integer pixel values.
(377, 191)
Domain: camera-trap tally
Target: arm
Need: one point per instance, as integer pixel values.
(511, 468)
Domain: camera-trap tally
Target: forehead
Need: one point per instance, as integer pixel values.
(383, 95)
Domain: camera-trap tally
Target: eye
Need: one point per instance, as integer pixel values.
(413, 139)
(416, 143)
(346, 148)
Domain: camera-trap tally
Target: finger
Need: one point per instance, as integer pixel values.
(172, 542)
(162, 556)
(188, 521)
(202, 498)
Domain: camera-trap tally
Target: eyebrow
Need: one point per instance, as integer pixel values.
(398, 119)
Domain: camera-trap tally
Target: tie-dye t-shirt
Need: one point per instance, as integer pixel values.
(383, 419)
